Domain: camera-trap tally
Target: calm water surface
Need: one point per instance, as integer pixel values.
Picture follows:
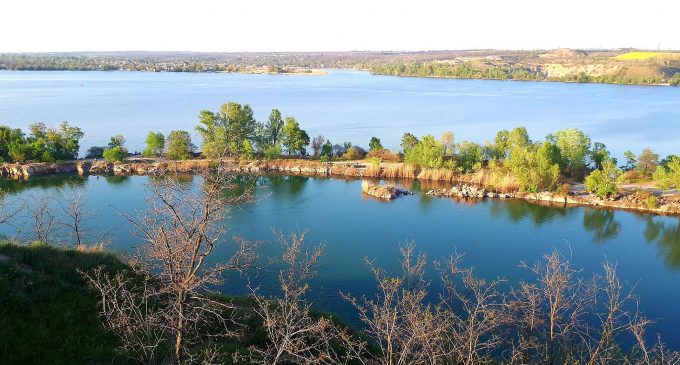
(494, 235)
(344, 105)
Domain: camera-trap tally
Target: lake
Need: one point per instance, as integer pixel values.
(343, 106)
(494, 235)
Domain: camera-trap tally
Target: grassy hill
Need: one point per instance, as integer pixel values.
(47, 313)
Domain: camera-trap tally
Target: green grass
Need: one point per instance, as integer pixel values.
(47, 313)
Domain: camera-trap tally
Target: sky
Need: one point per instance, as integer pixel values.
(331, 25)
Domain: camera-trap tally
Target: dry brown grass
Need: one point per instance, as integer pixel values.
(440, 174)
(399, 171)
(343, 170)
(384, 155)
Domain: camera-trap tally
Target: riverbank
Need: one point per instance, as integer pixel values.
(438, 182)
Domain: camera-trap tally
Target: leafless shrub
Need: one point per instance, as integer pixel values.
(398, 320)
(613, 320)
(7, 212)
(643, 354)
(295, 335)
(133, 311)
(75, 215)
(550, 313)
(43, 220)
(476, 313)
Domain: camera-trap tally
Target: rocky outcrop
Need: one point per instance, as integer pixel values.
(384, 192)
(468, 191)
(37, 169)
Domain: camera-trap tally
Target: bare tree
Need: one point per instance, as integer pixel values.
(563, 301)
(75, 215)
(44, 222)
(317, 144)
(475, 311)
(295, 335)
(615, 319)
(180, 230)
(398, 320)
(7, 213)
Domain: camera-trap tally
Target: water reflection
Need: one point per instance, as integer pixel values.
(518, 210)
(12, 187)
(285, 186)
(666, 235)
(601, 222)
(116, 179)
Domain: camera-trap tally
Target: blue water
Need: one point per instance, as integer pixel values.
(344, 105)
(494, 235)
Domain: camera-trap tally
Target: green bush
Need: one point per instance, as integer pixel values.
(668, 177)
(272, 152)
(115, 154)
(652, 202)
(604, 182)
(470, 157)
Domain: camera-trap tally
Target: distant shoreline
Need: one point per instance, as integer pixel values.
(618, 67)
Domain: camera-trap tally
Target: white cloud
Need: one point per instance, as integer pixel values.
(304, 25)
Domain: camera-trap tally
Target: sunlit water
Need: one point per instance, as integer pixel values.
(344, 105)
(494, 235)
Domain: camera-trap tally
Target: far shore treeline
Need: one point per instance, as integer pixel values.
(511, 160)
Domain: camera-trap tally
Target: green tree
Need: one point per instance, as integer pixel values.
(668, 176)
(408, 141)
(95, 152)
(327, 150)
(273, 128)
(179, 145)
(666, 160)
(293, 138)
(225, 131)
(604, 182)
(155, 144)
(599, 154)
(518, 137)
(65, 142)
(375, 144)
(631, 160)
(574, 146)
(470, 156)
(647, 161)
(536, 168)
(117, 141)
(43, 144)
(506, 141)
(427, 153)
(8, 137)
(247, 150)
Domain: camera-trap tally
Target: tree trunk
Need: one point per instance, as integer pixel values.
(179, 340)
